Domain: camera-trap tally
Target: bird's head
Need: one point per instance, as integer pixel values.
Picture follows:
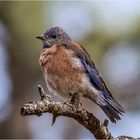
(53, 36)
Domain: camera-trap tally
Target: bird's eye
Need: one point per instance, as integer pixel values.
(53, 36)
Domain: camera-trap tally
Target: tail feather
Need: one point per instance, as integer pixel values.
(111, 108)
(111, 113)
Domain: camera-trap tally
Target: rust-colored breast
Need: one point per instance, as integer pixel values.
(46, 54)
(60, 75)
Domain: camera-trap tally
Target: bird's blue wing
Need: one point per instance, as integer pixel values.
(93, 75)
(96, 79)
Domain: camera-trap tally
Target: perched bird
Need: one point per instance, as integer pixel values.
(68, 68)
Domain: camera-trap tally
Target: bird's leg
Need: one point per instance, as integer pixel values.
(73, 99)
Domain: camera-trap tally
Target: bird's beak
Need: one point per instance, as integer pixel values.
(41, 37)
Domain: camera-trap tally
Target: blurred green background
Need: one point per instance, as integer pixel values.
(109, 30)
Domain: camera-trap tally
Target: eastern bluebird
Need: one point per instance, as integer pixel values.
(68, 68)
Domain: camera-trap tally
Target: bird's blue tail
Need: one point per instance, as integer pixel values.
(110, 106)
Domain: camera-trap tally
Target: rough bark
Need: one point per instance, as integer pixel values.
(71, 108)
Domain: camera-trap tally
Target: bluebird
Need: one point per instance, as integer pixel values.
(68, 68)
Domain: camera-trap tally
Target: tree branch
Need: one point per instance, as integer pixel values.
(71, 108)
